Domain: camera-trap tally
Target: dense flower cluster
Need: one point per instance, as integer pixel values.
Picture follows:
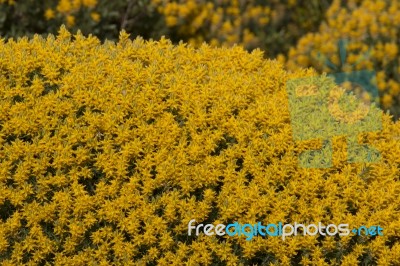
(371, 28)
(107, 151)
(272, 25)
(225, 22)
(25, 18)
(69, 9)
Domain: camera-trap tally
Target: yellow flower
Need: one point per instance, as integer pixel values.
(387, 100)
(391, 50)
(70, 20)
(263, 21)
(64, 6)
(95, 16)
(171, 21)
(215, 18)
(49, 14)
(227, 27)
(183, 11)
(248, 37)
(89, 3)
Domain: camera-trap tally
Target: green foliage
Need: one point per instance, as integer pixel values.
(105, 19)
(273, 26)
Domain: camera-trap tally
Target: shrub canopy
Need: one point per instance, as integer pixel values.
(108, 150)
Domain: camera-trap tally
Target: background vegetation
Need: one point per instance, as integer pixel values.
(272, 25)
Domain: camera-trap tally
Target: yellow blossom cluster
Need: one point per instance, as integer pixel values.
(108, 150)
(65, 9)
(371, 29)
(69, 8)
(223, 22)
(9, 2)
(272, 25)
(249, 23)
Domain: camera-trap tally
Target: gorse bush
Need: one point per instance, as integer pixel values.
(19, 18)
(273, 26)
(371, 28)
(108, 150)
(100, 17)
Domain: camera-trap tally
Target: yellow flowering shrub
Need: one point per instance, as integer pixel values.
(108, 150)
(21, 18)
(272, 25)
(99, 17)
(68, 8)
(371, 28)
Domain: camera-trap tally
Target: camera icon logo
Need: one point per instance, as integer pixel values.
(322, 108)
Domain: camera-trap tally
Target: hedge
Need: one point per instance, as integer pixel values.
(274, 25)
(108, 150)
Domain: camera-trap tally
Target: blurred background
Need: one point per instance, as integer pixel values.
(297, 33)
